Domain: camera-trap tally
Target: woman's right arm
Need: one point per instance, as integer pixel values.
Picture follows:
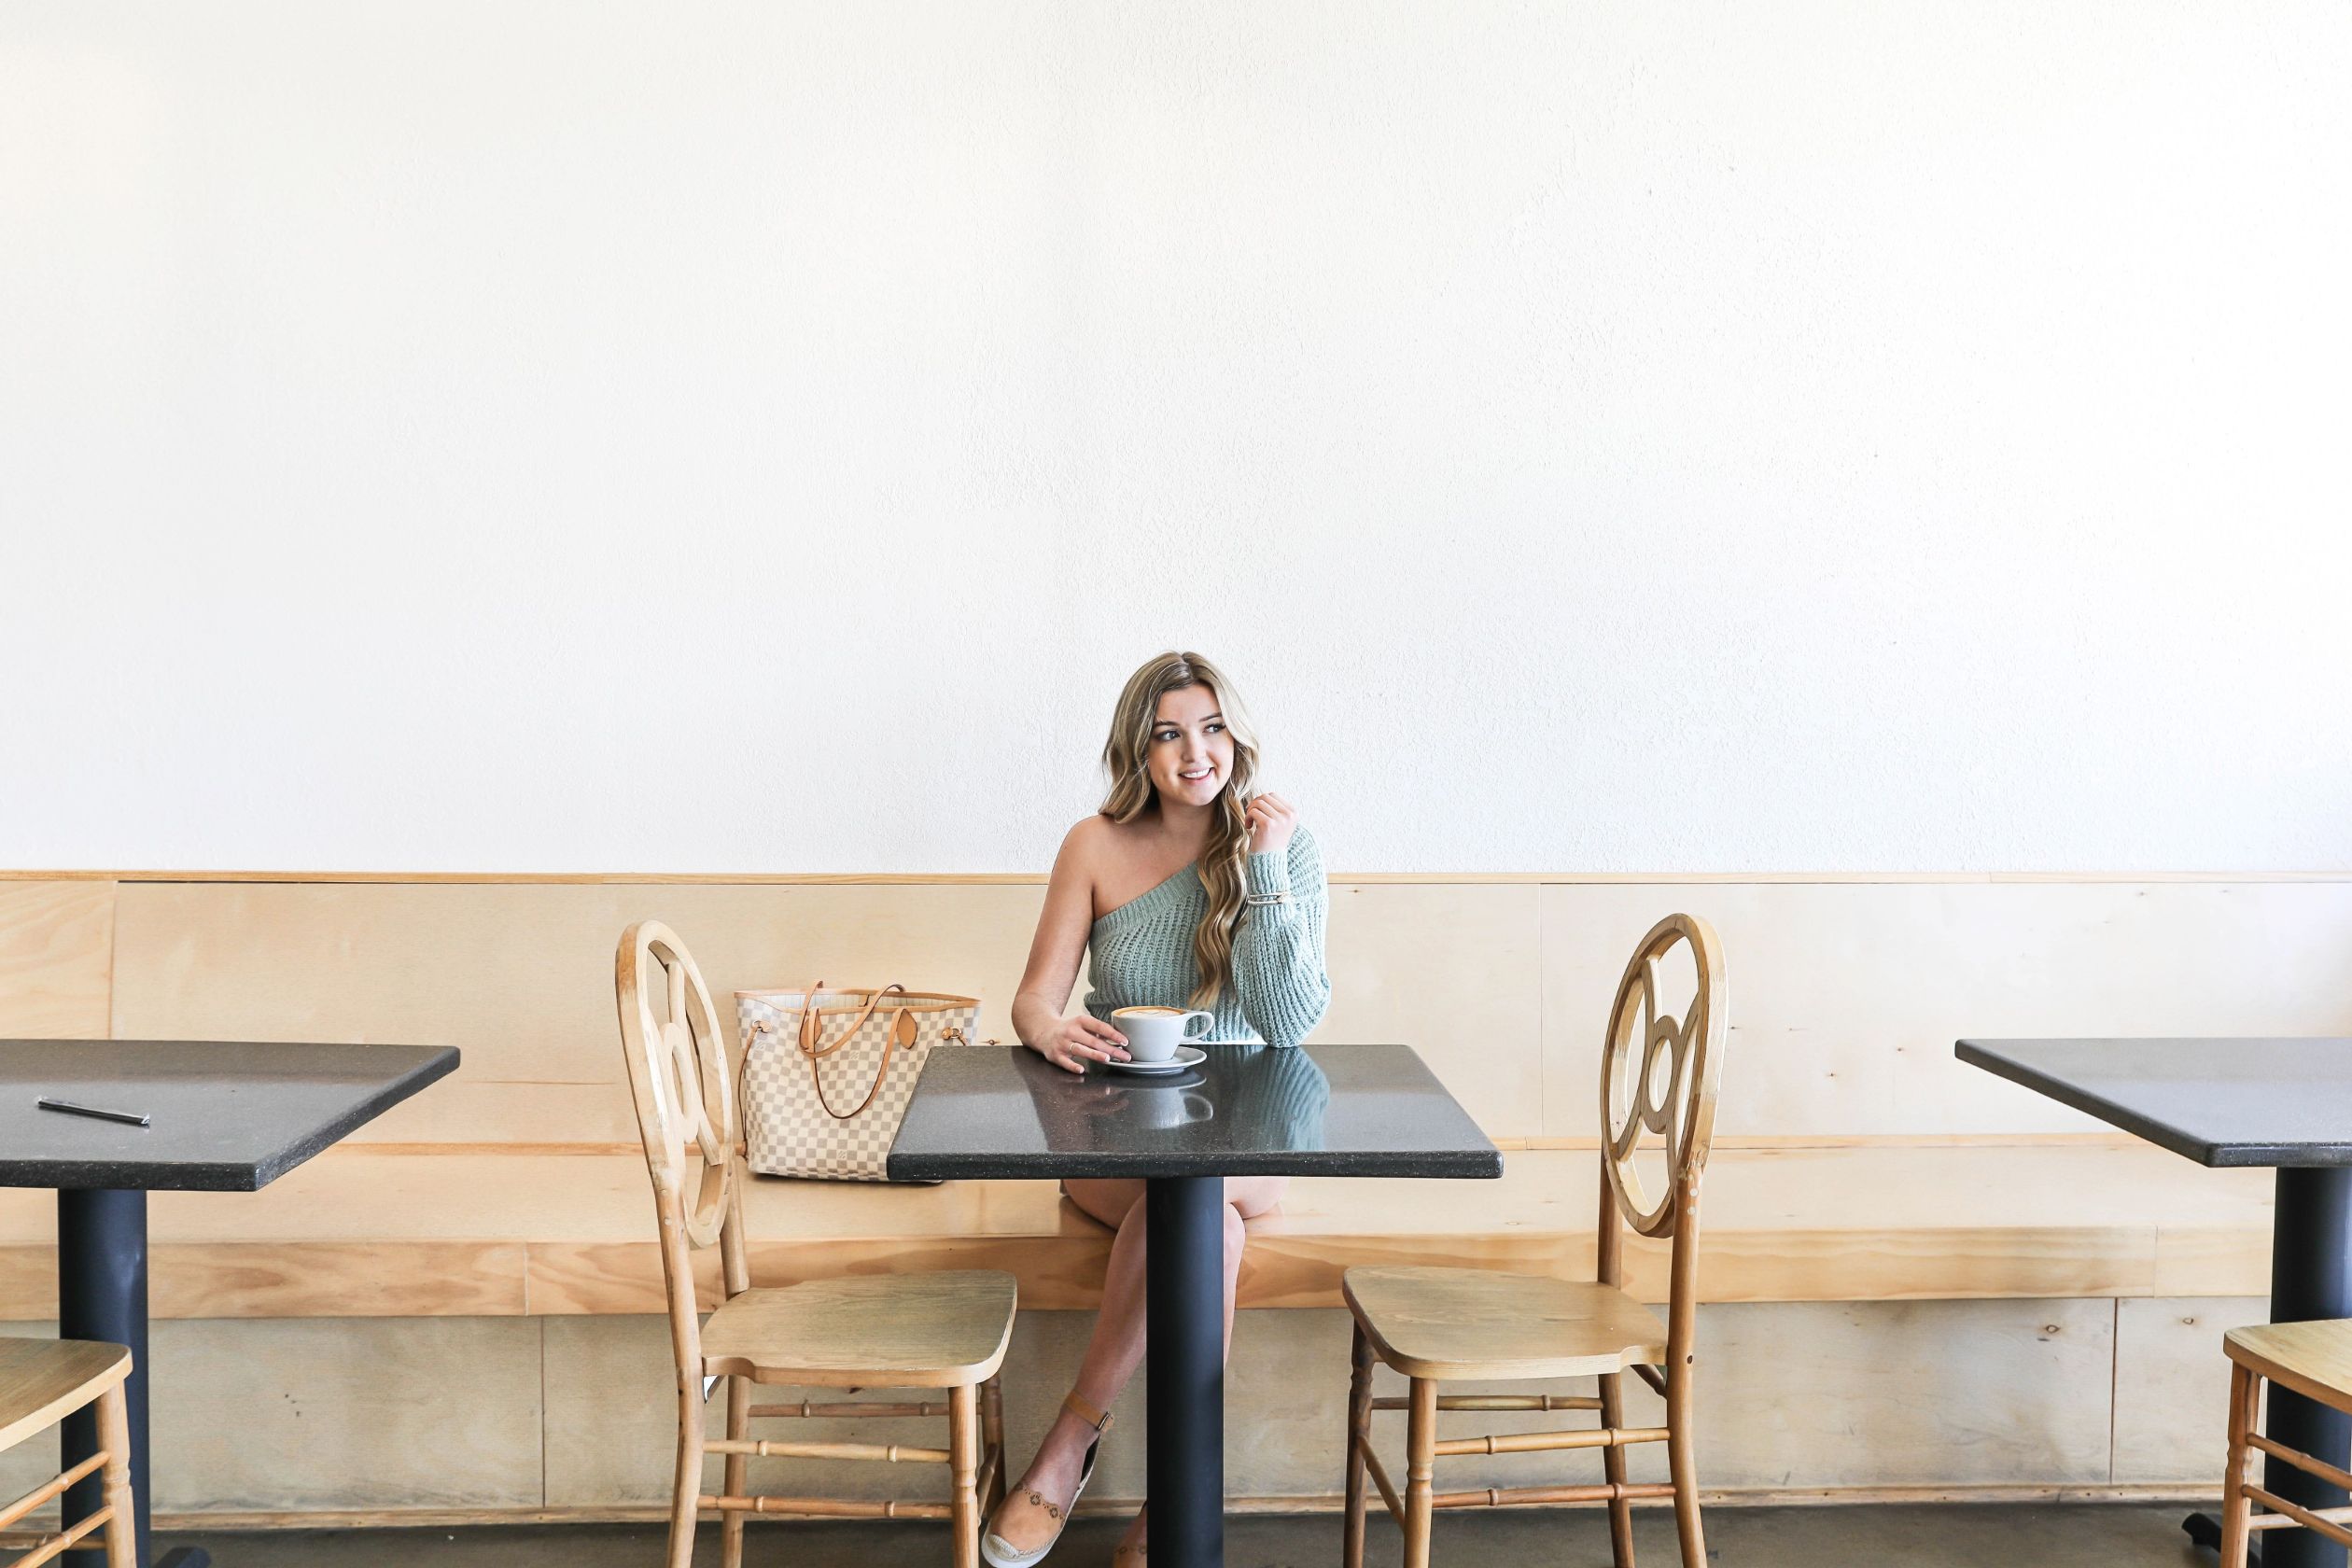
(1060, 941)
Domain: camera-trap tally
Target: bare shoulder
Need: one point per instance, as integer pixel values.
(1086, 848)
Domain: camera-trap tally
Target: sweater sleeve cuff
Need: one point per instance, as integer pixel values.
(1268, 872)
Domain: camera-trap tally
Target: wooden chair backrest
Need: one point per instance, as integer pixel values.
(687, 1117)
(1659, 1075)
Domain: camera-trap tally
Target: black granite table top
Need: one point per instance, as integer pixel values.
(1246, 1111)
(223, 1115)
(2221, 1103)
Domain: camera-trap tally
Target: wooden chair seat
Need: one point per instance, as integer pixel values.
(1453, 1323)
(940, 1330)
(42, 1381)
(2314, 1359)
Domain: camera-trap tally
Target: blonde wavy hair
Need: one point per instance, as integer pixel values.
(1132, 793)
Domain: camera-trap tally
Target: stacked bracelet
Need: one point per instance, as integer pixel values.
(1255, 898)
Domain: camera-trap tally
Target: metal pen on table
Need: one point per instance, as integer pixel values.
(135, 1118)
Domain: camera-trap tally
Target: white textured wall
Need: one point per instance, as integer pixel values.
(438, 434)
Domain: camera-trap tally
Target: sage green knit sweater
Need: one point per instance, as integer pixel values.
(1140, 954)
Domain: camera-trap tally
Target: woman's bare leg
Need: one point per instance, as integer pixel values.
(1116, 1348)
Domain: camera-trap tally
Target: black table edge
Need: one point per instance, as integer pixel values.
(2210, 1155)
(251, 1176)
(1446, 1165)
(432, 1070)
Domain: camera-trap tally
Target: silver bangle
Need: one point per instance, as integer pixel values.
(1255, 898)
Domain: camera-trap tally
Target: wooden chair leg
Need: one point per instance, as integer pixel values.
(1421, 1463)
(1613, 1466)
(2244, 1392)
(1359, 1434)
(1682, 1463)
(738, 1426)
(686, 1492)
(992, 1441)
(114, 1435)
(963, 1450)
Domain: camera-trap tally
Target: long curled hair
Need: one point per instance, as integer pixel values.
(1132, 793)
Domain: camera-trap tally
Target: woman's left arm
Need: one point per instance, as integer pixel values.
(1278, 947)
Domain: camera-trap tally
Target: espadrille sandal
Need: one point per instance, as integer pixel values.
(1000, 1552)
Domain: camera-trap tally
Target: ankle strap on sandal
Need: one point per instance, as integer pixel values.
(1098, 1420)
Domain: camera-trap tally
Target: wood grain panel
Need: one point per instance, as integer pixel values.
(1451, 971)
(1905, 1394)
(56, 951)
(612, 1426)
(298, 1279)
(521, 977)
(1846, 999)
(1807, 1403)
(389, 1413)
(1846, 996)
(360, 1234)
(568, 1278)
(2172, 1386)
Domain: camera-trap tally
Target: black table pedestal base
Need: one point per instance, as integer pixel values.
(2311, 1278)
(1184, 1369)
(102, 1293)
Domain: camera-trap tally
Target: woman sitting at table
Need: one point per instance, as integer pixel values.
(1187, 890)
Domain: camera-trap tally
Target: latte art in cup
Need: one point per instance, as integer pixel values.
(1153, 1033)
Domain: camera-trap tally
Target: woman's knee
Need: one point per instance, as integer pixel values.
(1110, 1201)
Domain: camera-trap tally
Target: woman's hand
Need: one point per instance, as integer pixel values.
(1075, 1041)
(1271, 819)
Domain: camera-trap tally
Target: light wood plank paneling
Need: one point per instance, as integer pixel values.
(1846, 999)
(56, 949)
(612, 1420)
(2172, 1386)
(359, 1233)
(1902, 1393)
(521, 977)
(1451, 971)
(300, 1280)
(2210, 1258)
(397, 1414)
(1801, 1395)
(387, 1412)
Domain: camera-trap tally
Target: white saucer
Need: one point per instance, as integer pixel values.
(1186, 1056)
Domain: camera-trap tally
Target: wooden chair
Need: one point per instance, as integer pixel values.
(945, 1330)
(42, 1382)
(1436, 1325)
(2314, 1359)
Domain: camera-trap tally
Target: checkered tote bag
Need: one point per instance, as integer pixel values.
(827, 1074)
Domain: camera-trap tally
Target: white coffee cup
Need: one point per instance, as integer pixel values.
(1153, 1033)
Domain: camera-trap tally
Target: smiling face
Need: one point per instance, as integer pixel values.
(1191, 753)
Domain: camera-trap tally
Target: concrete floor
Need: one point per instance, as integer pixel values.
(2113, 1535)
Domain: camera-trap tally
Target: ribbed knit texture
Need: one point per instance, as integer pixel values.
(1140, 954)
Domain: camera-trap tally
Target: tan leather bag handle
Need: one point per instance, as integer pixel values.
(811, 1042)
(811, 1036)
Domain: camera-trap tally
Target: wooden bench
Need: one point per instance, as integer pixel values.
(366, 1232)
